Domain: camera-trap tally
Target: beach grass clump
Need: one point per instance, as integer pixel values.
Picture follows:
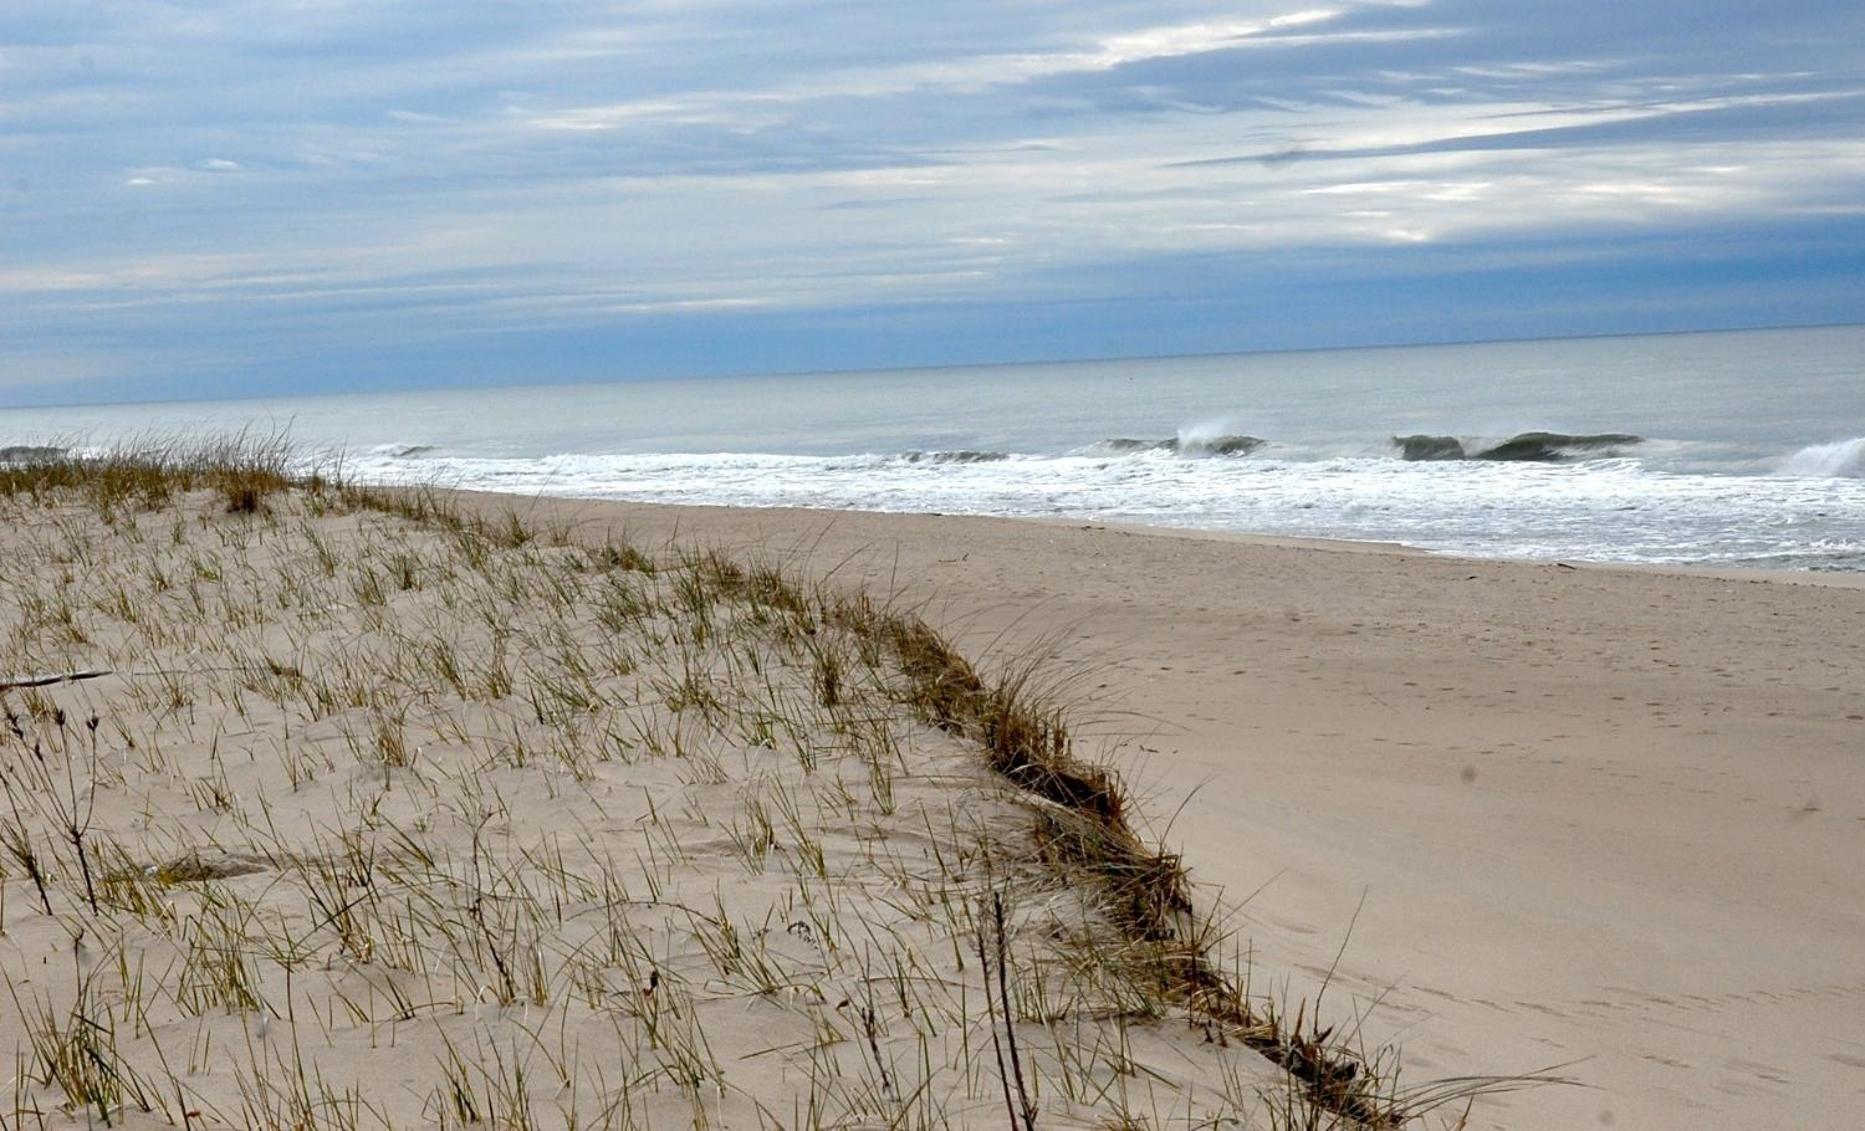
(297, 770)
(148, 472)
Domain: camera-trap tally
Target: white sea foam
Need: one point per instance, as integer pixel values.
(1727, 476)
(1600, 510)
(1845, 458)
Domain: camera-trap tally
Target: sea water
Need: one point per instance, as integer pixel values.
(1751, 449)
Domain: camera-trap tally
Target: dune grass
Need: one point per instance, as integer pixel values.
(338, 806)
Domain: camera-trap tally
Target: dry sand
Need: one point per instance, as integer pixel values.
(343, 821)
(1601, 818)
(391, 825)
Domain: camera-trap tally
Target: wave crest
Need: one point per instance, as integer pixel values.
(962, 455)
(31, 453)
(1525, 447)
(1844, 459)
(1195, 445)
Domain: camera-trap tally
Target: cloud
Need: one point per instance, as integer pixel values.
(267, 178)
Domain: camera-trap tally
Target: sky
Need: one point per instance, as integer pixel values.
(258, 197)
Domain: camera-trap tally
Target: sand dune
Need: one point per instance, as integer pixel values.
(1606, 819)
(319, 814)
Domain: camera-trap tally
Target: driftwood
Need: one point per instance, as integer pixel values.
(7, 682)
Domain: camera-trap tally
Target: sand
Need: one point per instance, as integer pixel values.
(315, 817)
(1605, 820)
(392, 825)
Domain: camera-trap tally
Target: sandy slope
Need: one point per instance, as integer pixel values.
(1600, 818)
(368, 823)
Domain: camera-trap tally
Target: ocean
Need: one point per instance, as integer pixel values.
(1733, 449)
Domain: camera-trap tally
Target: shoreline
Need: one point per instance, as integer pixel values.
(1592, 816)
(1838, 579)
(1842, 579)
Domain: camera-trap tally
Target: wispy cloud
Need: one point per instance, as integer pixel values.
(416, 177)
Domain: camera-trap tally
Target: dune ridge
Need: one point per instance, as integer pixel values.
(297, 772)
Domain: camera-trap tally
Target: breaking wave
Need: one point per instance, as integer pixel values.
(1842, 460)
(1583, 509)
(1185, 445)
(1524, 447)
(962, 455)
(31, 453)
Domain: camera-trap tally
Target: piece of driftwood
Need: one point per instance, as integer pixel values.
(56, 677)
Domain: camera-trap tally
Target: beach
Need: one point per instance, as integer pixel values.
(1602, 819)
(610, 814)
(330, 807)
(1088, 566)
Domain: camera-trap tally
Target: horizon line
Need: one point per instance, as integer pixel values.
(842, 371)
